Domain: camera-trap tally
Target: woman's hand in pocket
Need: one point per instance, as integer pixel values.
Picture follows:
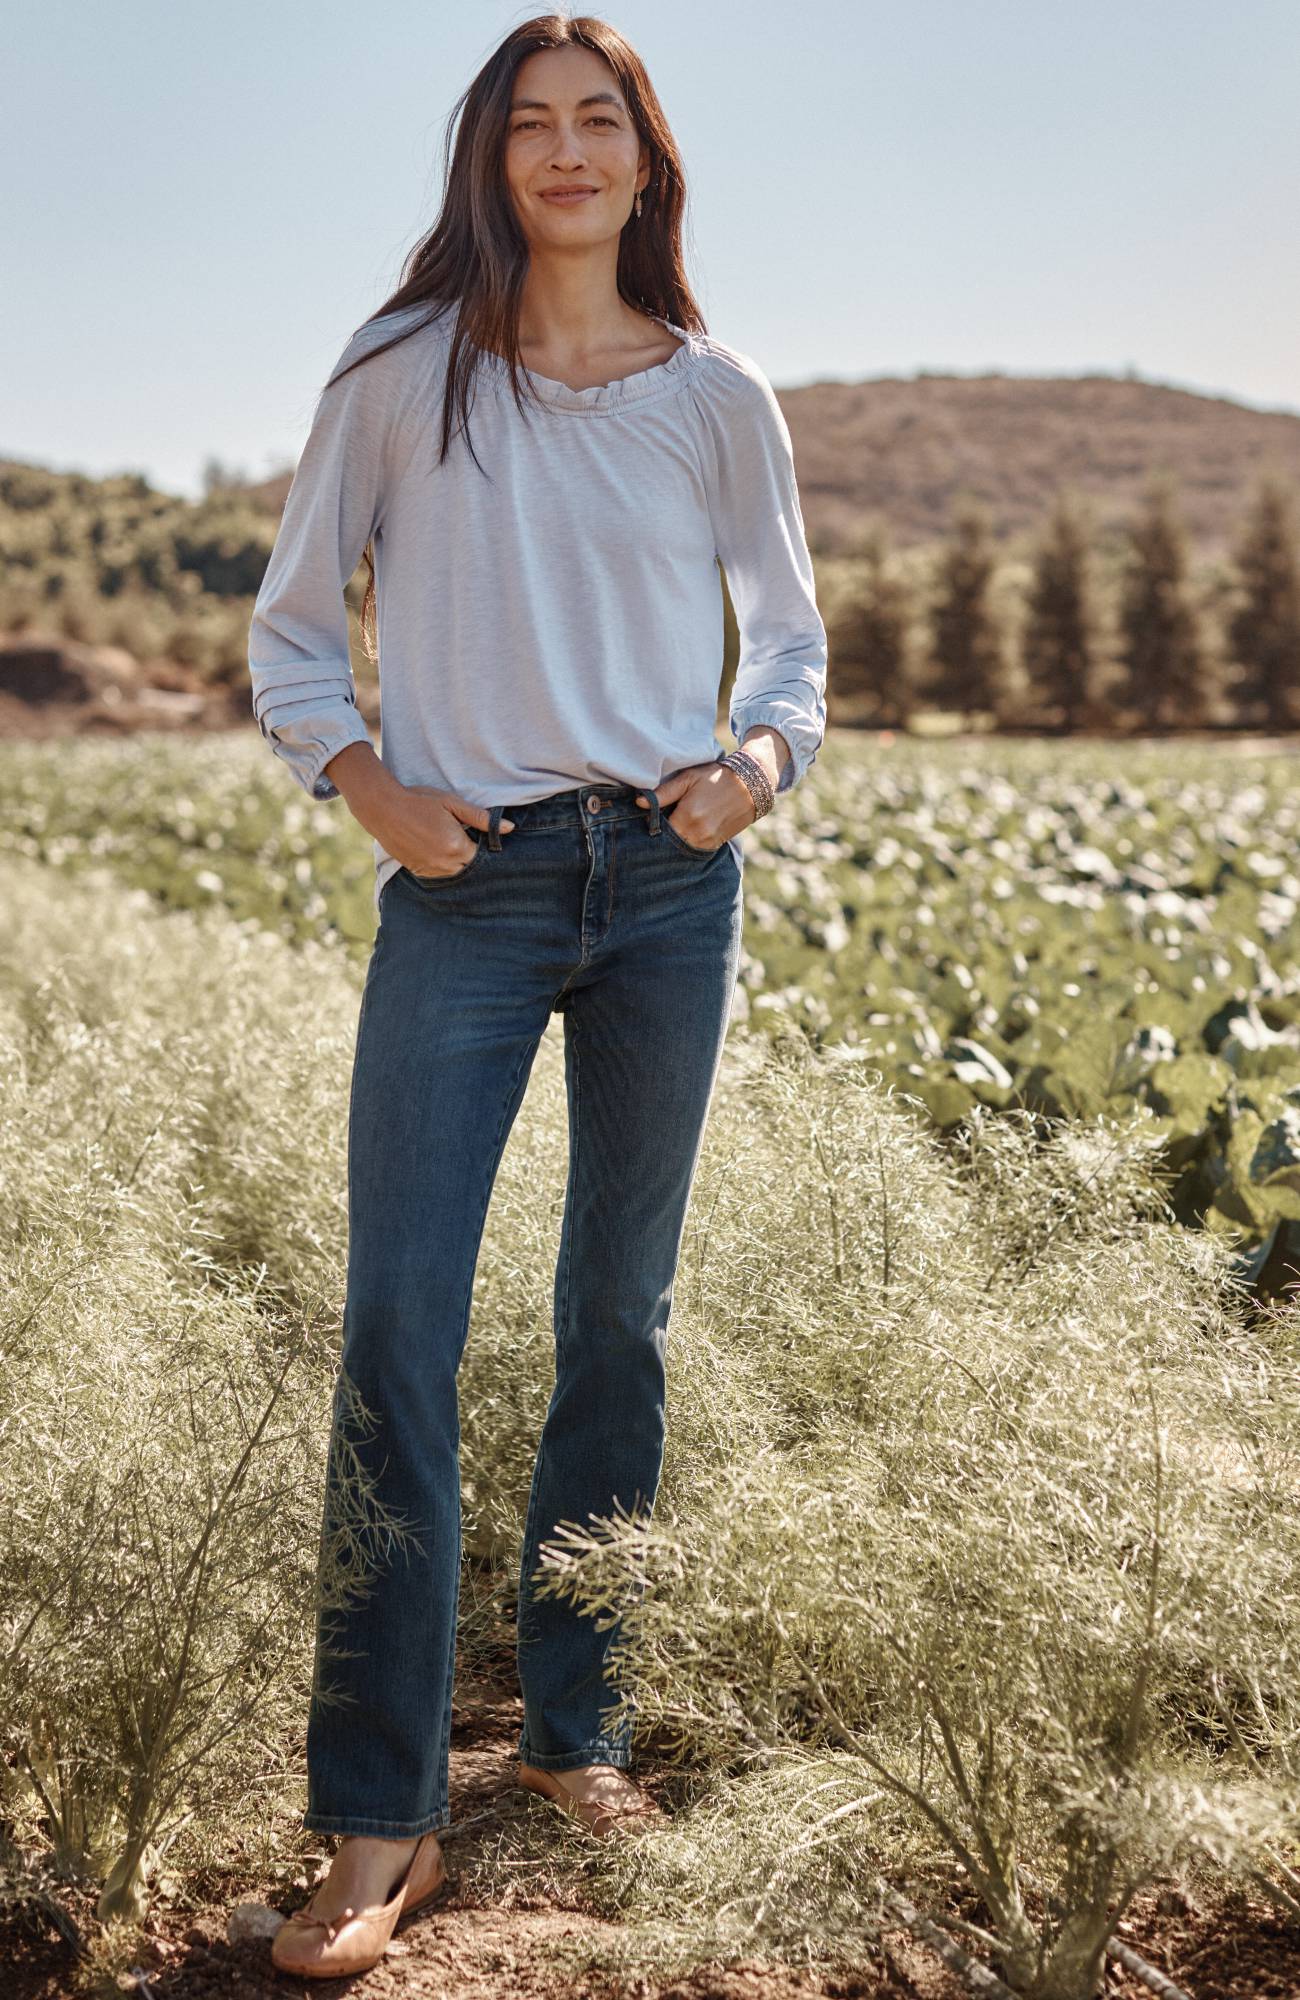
(424, 829)
(712, 802)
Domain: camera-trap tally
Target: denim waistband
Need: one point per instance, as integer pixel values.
(571, 807)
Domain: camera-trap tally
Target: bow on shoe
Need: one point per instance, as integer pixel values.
(330, 1925)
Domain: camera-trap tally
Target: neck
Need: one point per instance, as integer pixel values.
(571, 305)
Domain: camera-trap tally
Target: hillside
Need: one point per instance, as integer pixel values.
(112, 591)
(900, 447)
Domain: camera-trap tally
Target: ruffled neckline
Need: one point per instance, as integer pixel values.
(657, 380)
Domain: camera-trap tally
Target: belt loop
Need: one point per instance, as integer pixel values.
(653, 797)
(494, 828)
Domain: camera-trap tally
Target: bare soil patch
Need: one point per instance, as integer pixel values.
(1239, 1948)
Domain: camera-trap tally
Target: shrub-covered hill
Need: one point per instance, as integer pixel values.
(116, 561)
(899, 448)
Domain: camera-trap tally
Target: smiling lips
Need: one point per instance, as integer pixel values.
(565, 195)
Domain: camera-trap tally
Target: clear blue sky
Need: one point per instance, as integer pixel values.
(202, 202)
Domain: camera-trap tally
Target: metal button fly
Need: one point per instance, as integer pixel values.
(594, 802)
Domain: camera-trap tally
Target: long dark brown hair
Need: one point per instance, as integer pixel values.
(475, 257)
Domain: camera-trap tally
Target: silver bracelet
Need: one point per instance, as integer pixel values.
(753, 777)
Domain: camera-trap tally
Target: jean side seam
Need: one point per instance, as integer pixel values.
(498, 1147)
(530, 1519)
(357, 1039)
(562, 1311)
(562, 1328)
(444, 1756)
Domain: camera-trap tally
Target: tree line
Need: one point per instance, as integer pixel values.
(1079, 628)
(1076, 630)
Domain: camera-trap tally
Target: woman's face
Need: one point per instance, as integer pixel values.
(569, 127)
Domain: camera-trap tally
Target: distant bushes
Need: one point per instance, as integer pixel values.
(1073, 630)
(115, 562)
(1070, 628)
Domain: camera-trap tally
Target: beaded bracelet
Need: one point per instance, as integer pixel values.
(753, 777)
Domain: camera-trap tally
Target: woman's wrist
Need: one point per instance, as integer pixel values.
(745, 766)
(369, 788)
(769, 748)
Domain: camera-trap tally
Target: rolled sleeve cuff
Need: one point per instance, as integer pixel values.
(803, 732)
(308, 730)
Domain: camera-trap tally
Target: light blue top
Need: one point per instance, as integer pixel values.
(560, 622)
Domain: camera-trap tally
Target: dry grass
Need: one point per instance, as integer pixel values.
(976, 1551)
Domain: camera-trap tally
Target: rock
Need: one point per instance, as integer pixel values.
(250, 1923)
(39, 670)
(51, 685)
(170, 704)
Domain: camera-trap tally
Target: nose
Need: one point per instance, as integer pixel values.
(568, 152)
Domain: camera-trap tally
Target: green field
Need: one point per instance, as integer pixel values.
(1080, 929)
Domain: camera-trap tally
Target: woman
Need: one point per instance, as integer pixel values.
(550, 644)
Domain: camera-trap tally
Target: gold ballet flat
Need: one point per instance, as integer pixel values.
(333, 1948)
(615, 1804)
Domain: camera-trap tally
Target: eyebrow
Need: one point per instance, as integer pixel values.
(536, 104)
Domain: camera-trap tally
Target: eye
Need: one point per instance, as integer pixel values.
(524, 123)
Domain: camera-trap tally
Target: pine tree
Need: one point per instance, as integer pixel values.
(1161, 656)
(1264, 628)
(870, 636)
(965, 642)
(1059, 643)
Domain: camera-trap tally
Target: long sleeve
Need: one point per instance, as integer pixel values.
(303, 690)
(761, 543)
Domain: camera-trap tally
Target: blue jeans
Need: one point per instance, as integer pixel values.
(594, 908)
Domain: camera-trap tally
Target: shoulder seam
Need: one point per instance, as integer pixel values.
(410, 357)
(735, 361)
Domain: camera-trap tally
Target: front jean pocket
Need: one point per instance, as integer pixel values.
(700, 853)
(446, 881)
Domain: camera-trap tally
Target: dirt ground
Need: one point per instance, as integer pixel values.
(464, 1948)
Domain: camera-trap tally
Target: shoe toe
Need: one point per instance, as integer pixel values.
(632, 1810)
(356, 1940)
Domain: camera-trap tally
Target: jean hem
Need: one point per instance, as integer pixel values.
(350, 1824)
(573, 1760)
